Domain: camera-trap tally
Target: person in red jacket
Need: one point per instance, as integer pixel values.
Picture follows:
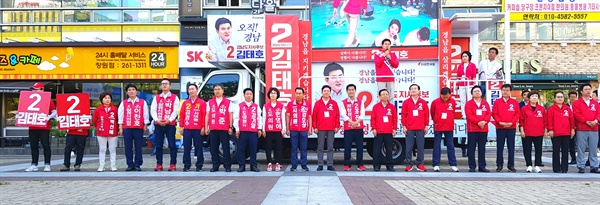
(533, 128)
(442, 111)
(105, 121)
(274, 128)
(75, 140)
(353, 112)
(466, 71)
(326, 118)
(37, 134)
(353, 9)
(587, 116)
(385, 63)
(248, 125)
(134, 118)
(191, 120)
(384, 120)
(219, 126)
(478, 117)
(298, 117)
(163, 110)
(506, 113)
(561, 127)
(415, 122)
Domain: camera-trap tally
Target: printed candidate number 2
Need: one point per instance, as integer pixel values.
(72, 109)
(38, 98)
(287, 31)
(230, 52)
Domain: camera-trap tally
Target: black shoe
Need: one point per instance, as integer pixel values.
(330, 168)
(557, 172)
(320, 168)
(564, 172)
(581, 171)
(294, 167)
(471, 170)
(129, 169)
(484, 170)
(198, 169)
(376, 168)
(139, 169)
(595, 170)
(391, 169)
(77, 168)
(573, 162)
(242, 169)
(65, 169)
(499, 168)
(305, 168)
(186, 169)
(214, 169)
(541, 165)
(512, 169)
(254, 169)
(229, 169)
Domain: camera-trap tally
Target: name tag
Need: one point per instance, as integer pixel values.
(444, 116)
(479, 112)
(326, 113)
(415, 113)
(385, 119)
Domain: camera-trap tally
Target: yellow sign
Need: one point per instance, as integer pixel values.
(556, 16)
(34, 63)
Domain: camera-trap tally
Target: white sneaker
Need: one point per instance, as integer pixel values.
(538, 170)
(113, 168)
(436, 168)
(529, 169)
(33, 168)
(269, 167)
(454, 168)
(46, 168)
(100, 169)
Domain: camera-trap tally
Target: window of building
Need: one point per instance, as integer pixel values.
(240, 12)
(11, 105)
(214, 12)
(107, 16)
(291, 12)
(230, 83)
(222, 2)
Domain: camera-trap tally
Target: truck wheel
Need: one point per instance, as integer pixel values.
(398, 155)
(232, 150)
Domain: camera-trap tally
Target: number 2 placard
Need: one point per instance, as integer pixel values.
(33, 109)
(73, 111)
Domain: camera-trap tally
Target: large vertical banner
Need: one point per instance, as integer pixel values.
(305, 57)
(445, 51)
(282, 51)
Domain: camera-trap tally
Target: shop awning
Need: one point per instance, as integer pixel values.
(17, 86)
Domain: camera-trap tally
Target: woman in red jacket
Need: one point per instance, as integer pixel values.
(561, 127)
(478, 113)
(105, 121)
(533, 129)
(384, 120)
(466, 71)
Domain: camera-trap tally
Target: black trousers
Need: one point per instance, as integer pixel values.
(277, 139)
(219, 137)
(537, 143)
(35, 136)
(378, 158)
(77, 142)
(560, 153)
(572, 148)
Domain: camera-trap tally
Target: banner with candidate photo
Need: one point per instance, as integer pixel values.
(236, 37)
(366, 23)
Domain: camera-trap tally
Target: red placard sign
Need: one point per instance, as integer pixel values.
(73, 111)
(33, 109)
(282, 52)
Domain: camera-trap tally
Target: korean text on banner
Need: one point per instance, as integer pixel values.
(73, 111)
(33, 109)
(305, 57)
(445, 51)
(353, 25)
(283, 49)
(552, 10)
(494, 91)
(236, 37)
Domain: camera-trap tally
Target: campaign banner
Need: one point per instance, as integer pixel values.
(552, 10)
(367, 54)
(445, 51)
(305, 57)
(459, 45)
(33, 109)
(283, 49)
(194, 57)
(73, 111)
(236, 37)
(366, 23)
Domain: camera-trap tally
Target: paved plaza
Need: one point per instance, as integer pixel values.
(300, 187)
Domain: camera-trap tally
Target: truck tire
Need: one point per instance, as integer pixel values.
(398, 154)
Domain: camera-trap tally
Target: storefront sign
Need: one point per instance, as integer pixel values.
(552, 10)
(25, 63)
(73, 111)
(545, 86)
(236, 37)
(194, 57)
(533, 65)
(33, 109)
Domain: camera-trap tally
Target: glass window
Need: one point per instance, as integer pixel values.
(214, 12)
(230, 83)
(240, 12)
(483, 10)
(46, 16)
(544, 31)
(11, 103)
(292, 12)
(77, 15)
(293, 2)
(15, 17)
(107, 16)
(210, 2)
(244, 2)
(489, 34)
(450, 12)
(136, 15)
(573, 31)
(223, 2)
(95, 89)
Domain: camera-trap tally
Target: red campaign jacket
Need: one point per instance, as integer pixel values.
(52, 107)
(377, 118)
(192, 114)
(353, 6)
(381, 69)
(409, 119)
(470, 75)
(508, 111)
(440, 109)
(106, 122)
(584, 113)
(319, 120)
(560, 120)
(533, 121)
(473, 118)
(78, 132)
